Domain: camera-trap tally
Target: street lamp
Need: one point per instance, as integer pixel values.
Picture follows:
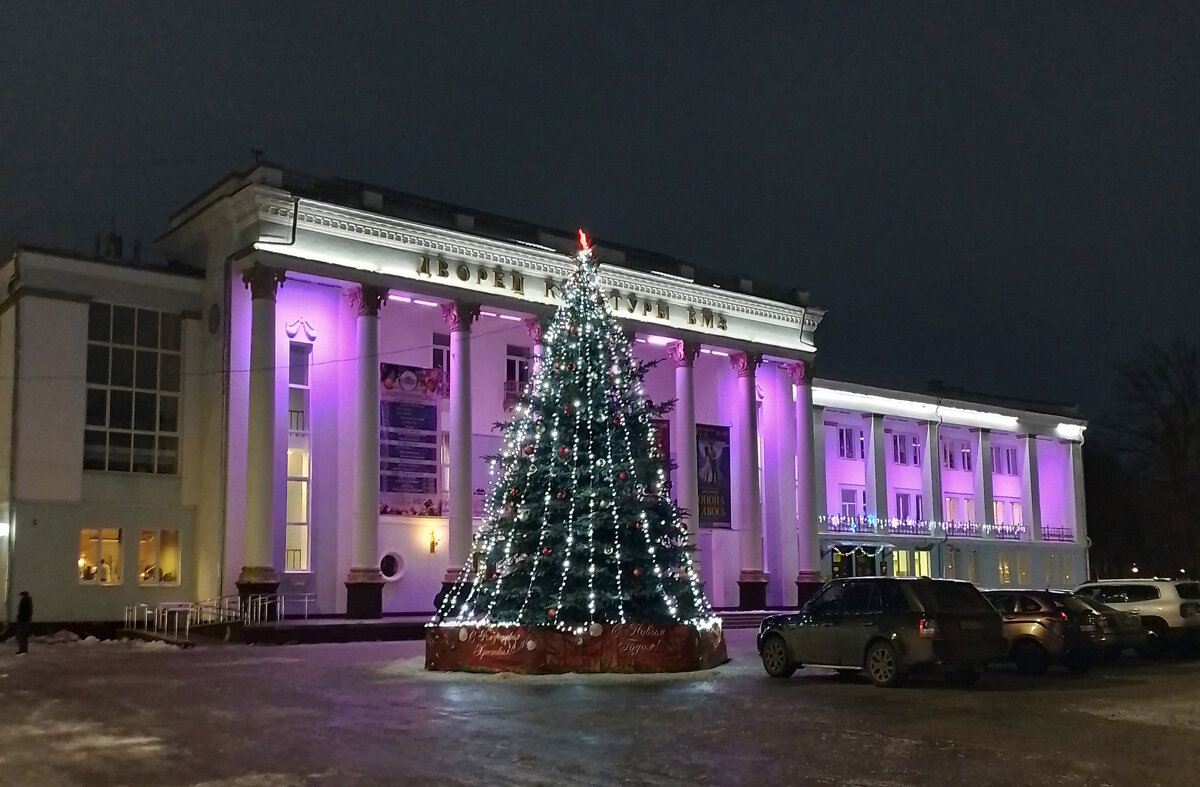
(1135, 568)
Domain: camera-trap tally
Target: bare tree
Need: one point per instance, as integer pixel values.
(1156, 427)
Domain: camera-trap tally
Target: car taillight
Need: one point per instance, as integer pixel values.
(928, 629)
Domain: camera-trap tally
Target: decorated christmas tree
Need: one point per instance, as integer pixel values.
(583, 562)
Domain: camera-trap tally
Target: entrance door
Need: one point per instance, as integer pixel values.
(852, 561)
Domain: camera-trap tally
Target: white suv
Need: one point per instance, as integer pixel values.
(1170, 609)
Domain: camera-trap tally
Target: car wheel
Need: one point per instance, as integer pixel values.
(968, 676)
(1152, 648)
(882, 664)
(775, 658)
(1030, 658)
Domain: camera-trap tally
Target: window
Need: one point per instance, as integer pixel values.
(959, 508)
(441, 357)
(516, 373)
(299, 459)
(1005, 570)
(921, 563)
(854, 501)
(1004, 460)
(909, 505)
(158, 557)
(1066, 570)
(133, 383)
(956, 455)
(100, 556)
(900, 563)
(1051, 573)
(851, 443)
(858, 597)
(906, 450)
(973, 567)
(1023, 569)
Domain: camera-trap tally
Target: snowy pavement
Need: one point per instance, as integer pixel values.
(90, 713)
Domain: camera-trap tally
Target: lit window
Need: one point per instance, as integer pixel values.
(1005, 570)
(922, 566)
(158, 557)
(299, 459)
(900, 563)
(972, 566)
(441, 359)
(100, 556)
(133, 384)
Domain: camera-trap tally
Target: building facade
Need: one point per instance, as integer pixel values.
(302, 399)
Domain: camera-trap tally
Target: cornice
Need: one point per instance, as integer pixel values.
(275, 206)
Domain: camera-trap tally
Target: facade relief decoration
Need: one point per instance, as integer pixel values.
(683, 353)
(263, 282)
(459, 315)
(745, 363)
(368, 299)
(300, 326)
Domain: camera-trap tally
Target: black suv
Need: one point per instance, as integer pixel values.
(887, 626)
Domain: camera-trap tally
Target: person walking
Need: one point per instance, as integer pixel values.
(21, 627)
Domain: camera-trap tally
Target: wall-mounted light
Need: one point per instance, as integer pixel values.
(433, 541)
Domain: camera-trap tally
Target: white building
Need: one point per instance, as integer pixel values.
(299, 402)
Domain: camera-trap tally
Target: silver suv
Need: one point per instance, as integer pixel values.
(1170, 609)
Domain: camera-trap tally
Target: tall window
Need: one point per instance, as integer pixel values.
(959, 508)
(516, 373)
(922, 565)
(854, 501)
(1051, 571)
(906, 450)
(956, 455)
(1005, 569)
(909, 505)
(1066, 570)
(441, 358)
(900, 563)
(1023, 569)
(1006, 511)
(1004, 460)
(158, 557)
(133, 381)
(99, 560)
(973, 566)
(299, 458)
(851, 443)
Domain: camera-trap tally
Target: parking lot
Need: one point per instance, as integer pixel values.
(369, 714)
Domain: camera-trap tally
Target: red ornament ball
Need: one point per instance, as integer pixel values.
(637, 572)
(513, 491)
(562, 451)
(562, 495)
(567, 409)
(552, 612)
(571, 366)
(546, 551)
(617, 420)
(621, 475)
(528, 450)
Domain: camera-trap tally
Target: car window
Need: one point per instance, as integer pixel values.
(858, 596)
(1003, 604)
(829, 600)
(889, 597)
(957, 597)
(1071, 602)
(1112, 595)
(1029, 604)
(1141, 592)
(1188, 590)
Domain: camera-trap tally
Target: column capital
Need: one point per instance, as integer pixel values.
(745, 363)
(801, 372)
(262, 281)
(459, 315)
(535, 329)
(367, 299)
(683, 353)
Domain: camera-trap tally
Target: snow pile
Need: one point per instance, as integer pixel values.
(60, 637)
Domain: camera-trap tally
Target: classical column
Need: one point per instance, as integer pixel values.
(364, 584)
(258, 556)
(752, 581)
(534, 327)
(931, 473)
(808, 454)
(1079, 507)
(459, 316)
(1031, 495)
(687, 490)
(983, 481)
(876, 470)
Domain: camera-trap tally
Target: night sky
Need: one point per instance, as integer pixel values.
(1004, 196)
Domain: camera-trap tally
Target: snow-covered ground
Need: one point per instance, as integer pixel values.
(85, 712)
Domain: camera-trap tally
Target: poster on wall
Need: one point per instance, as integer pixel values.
(409, 477)
(712, 467)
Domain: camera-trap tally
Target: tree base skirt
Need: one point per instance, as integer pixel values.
(536, 650)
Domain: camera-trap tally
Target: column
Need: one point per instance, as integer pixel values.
(459, 316)
(258, 556)
(1031, 495)
(364, 584)
(1079, 510)
(877, 498)
(752, 580)
(983, 482)
(809, 454)
(684, 438)
(931, 474)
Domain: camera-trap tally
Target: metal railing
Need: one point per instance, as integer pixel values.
(172, 616)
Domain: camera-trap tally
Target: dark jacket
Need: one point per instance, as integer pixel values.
(25, 610)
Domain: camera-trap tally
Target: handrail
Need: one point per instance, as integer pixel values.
(250, 610)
